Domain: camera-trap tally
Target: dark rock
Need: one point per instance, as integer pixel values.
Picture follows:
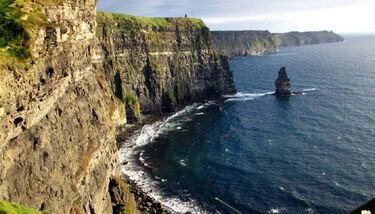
(117, 190)
(283, 84)
(131, 114)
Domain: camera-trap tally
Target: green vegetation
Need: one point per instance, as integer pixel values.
(130, 100)
(154, 22)
(127, 99)
(19, 18)
(10, 208)
(13, 36)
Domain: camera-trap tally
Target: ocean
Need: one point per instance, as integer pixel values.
(256, 153)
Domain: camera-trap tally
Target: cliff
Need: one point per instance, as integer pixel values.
(305, 38)
(243, 43)
(164, 62)
(64, 90)
(57, 150)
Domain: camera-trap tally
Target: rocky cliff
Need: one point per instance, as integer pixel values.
(57, 150)
(243, 43)
(63, 92)
(163, 62)
(305, 38)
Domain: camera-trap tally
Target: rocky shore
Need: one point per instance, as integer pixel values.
(145, 203)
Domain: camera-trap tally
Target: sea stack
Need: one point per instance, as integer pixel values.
(283, 84)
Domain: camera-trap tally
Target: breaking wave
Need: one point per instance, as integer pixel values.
(240, 96)
(245, 96)
(136, 166)
(309, 89)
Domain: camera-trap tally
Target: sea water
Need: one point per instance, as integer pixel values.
(256, 153)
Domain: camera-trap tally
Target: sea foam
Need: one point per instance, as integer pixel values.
(133, 154)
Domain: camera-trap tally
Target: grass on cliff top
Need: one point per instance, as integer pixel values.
(154, 22)
(10, 208)
(13, 36)
(19, 18)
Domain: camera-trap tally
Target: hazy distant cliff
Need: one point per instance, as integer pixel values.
(243, 43)
(305, 38)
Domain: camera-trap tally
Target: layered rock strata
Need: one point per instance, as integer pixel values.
(244, 43)
(164, 62)
(59, 110)
(57, 150)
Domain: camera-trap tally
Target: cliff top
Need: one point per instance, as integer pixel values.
(159, 22)
(304, 32)
(18, 21)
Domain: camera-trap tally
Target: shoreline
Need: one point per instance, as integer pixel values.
(144, 201)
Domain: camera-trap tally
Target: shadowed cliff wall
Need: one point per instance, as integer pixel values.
(164, 62)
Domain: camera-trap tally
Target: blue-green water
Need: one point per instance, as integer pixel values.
(313, 153)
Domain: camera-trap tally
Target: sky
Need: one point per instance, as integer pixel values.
(341, 16)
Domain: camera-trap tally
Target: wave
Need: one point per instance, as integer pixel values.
(309, 89)
(136, 167)
(239, 96)
(276, 210)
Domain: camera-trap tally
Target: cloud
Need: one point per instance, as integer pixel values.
(275, 15)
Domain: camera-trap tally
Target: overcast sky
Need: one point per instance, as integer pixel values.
(342, 16)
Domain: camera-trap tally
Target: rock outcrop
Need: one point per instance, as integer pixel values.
(244, 43)
(164, 62)
(250, 43)
(283, 84)
(59, 108)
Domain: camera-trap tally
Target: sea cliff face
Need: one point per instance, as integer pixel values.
(305, 38)
(164, 62)
(57, 150)
(250, 43)
(243, 43)
(60, 106)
